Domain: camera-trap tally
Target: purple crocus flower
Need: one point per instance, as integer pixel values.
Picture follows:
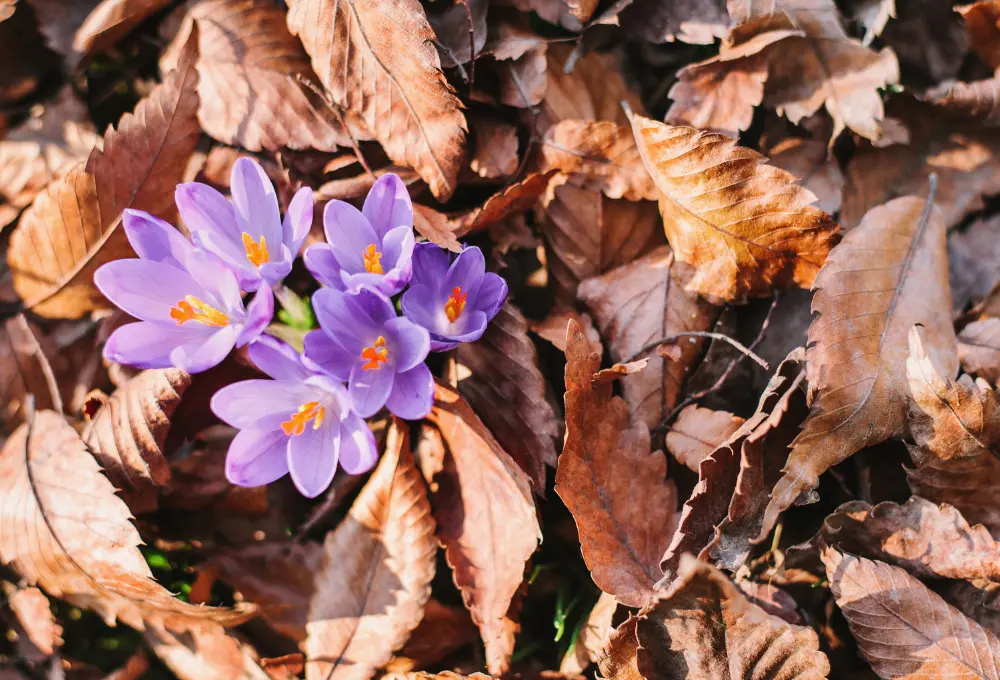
(301, 422)
(367, 249)
(248, 234)
(380, 355)
(188, 301)
(452, 300)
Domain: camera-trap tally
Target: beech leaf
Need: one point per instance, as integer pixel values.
(25, 369)
(699, 431)
(979, 349)
(112, 20)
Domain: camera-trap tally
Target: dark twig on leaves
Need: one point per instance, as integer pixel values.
(747, 351)
(472, 44)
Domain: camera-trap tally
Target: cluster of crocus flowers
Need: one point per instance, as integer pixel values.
(197, 299)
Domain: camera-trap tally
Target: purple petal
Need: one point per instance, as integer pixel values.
(357, 446)
(275, 271)
(421, 305)
(322, 264)
(441, 344)
(430, 264)
(312, 457)
(148, 345)
(218, 280)
(412, 395)
(408, 343)
(257, 457)
(354, 320)
(255, 202)
(355, 283)
(388, 206)
(260, 404)
(260, 311)
(334, 394)
(204, 209)
(153, 239)
(233, 254)
(146, 289)
(298, 220)
(492, 294)
(369, 389)
(277, 359)
(466, 271)
(204, 353)
(397, 246)
(349, 232)
(326, 352)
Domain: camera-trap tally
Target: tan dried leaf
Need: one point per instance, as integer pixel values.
(971, 485)
(486, 520)
(376, 574)
(592, 638)
(979, 349)
(700, 22)
(495, 152)
(616, 489)
(618, 658)
(111, 21)
(553, 327)
(25, 369)
(442, 631)
(450, 22)
(377, 62)
(636, 305)
(978, 99)
(71, 535)
(513, 199)
(904, 629)
(522, 81)
(34, 614)
(744, 225)
(718, 95)
(73, 227)
(982, 23)
(699, 431)
(204, 654)
(887, 275)
(811, 163)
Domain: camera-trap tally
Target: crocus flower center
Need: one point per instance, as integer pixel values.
(455, 304)
(193, 309)
(311, 410)
(373, 260)
(376, 354)
(256, 252)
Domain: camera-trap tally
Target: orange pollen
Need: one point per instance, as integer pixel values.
(373, 260)
(193, 309)
(375, 354)
(456, 304)
(311, 410)
(256, 252)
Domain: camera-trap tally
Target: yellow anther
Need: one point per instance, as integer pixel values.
(456, 304)
(377, 353)
(256, 252)
(193, 309)
(297, 423)
(373, 260)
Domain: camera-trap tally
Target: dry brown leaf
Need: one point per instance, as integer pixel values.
(34, 614)
(506, 386)
(616, 489)
(25, 59)
(450, 22)
(442, 631)
(111, 21)
(692, 21)
(974, 262)
(377, 62)
(522, 81)
(592, 638)
(376, 574)
(251, 79)
(744, 225)
(443, 675)
(636, 305)
(873, 15)
(600, 156)
(553, 327)
(705, 628)
(952, 419)
(127, 434)
(486, 520)
(495, 151)
(204, 654)
(80, 544)
(73, 227)
(699, 431)
(718, 95)
(979, 349)
(513, 199)
(25, 369)
(929, 40)
(982, 23)
(978, 99)
(616, 372)
(589, 234)
(618, 658)
(812, 165)
(198, 480)
(903, 629)
(887, 275)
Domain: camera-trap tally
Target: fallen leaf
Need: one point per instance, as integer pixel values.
(25, 369)
(443, 675)
(370, 56)
(982, 23)
(904, 629)
(522, 81)
(718, 95)
(592, 638)
(810, 162)
(699, 431)
(513, 199)
(618, 658)
(204, 654)
(928, 39)
(111, 21)
(128, 433)
(26, 61)
(34, 614)
(251, 79)
(887, 275)
(495, 152)
(745, 226)
(979, 349)
(443, 631)
(377, 570)
(198, 480)
(78, 216)
(553, 327)
(71, 535)
(976, 99)
(973, 262)
(486, 520)
(873, 15)
(455, 36)
(616, 489)
(504, 370)
(607, 376)
(692, 21)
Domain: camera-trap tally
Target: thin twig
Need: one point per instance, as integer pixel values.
(472, 44)
(699, 334)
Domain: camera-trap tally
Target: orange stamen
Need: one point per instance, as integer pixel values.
(375, 354)
(373, 260)
(456, 304)
(193, 309)
(256, 252)
(297, 423)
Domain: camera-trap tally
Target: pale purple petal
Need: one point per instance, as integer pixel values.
(388, 205)
(397, 247)
(204, 353)
(217, 280)
(370, 388)
(466, 271)
(148, 345)
(349, 232)
(256, 202)
(334, 394)
(430, 264)
(153, 239)
(260, 404)
(298, 220)
(491, 295)
(260, 311)
(357, 446)
(326, 352)
(322, 264)
(412, 395)
(204, 209)
(421, 305)
(355, 283)
(233, 254)
(440, 344)
(408, 343)
(354, 320)
(146, 289)
(277, 359)
(312, 457)
(275, 271)
(257, 457)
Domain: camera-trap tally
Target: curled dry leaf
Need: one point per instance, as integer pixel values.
(80, 544)
(512, 199)
(744, 226)
(486, 520)
(25, 369)
(522, 81)
(377, 570)
(638, 304)
(982, 23)
(705, 628)
(978, 99)
(553, 327)
(904, 629)
(699, 431)
(73, 227)
(495, 152)
(718, 95)
(617, 660)
(888, 274)
(979, 349)
(34, 614)
(592, 638)
(378, 62)
(442, 631)
(204, 654)
(111, 21)
(127, 434)
(251, 79)
(616, 489)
